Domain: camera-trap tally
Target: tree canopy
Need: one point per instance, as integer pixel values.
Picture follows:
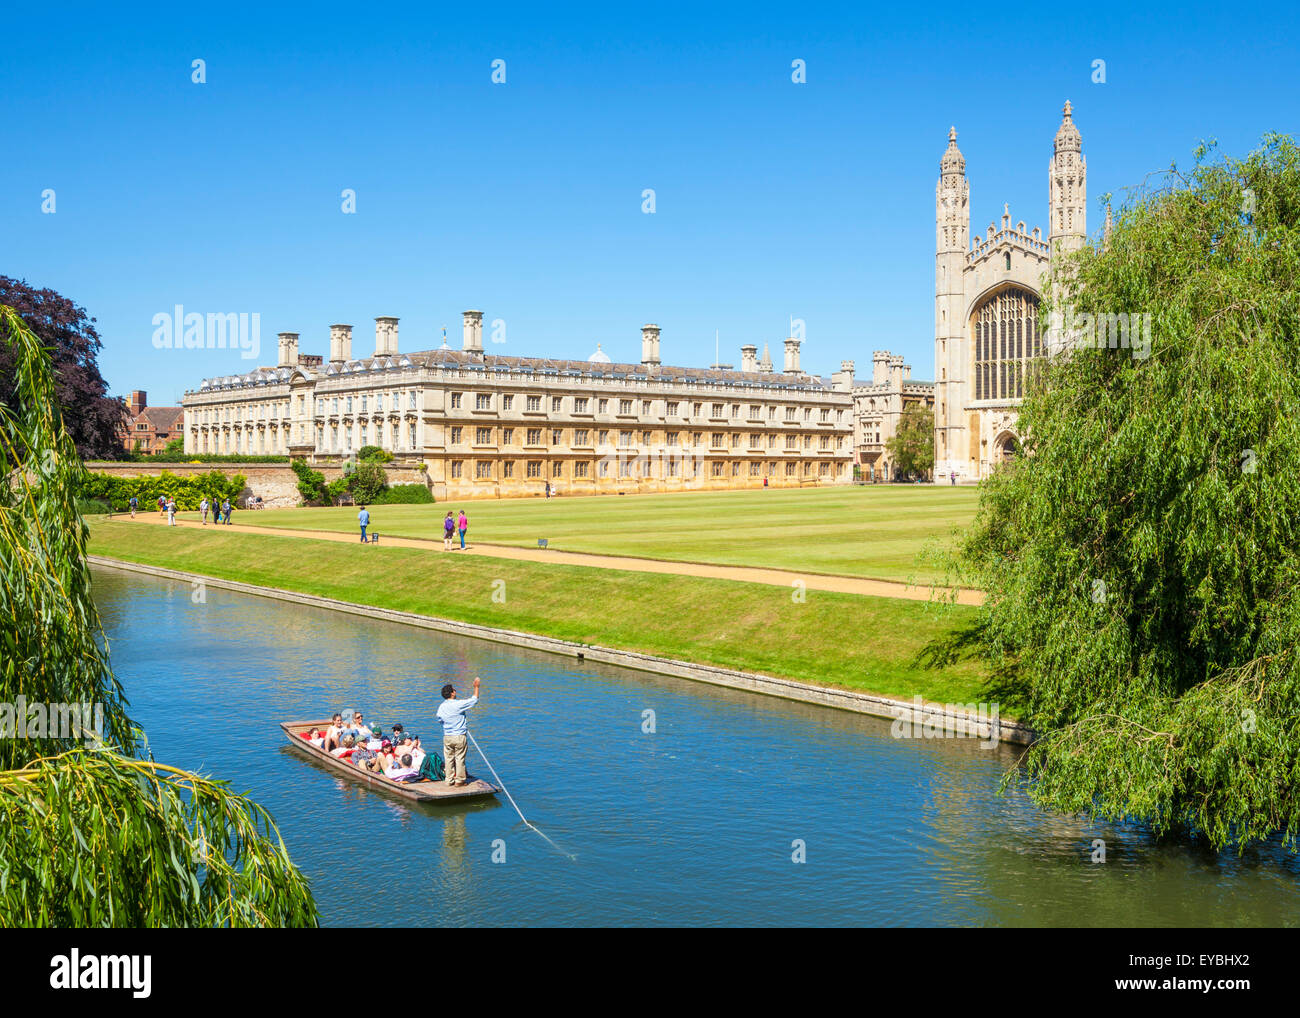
(912, 446)
(1142, 553)
(92, 417)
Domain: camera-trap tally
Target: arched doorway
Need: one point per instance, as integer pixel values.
(1005, 448)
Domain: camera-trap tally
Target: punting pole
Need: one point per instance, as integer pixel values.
(527, 822)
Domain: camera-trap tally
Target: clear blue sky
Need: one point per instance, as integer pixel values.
(524, 199)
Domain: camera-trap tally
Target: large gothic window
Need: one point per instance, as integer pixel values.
(1005, 338)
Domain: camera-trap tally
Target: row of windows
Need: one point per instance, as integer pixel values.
(1006, 337)
(579, 469)
(627, 407)
(366, 403)
(243, 412)
(582, 436)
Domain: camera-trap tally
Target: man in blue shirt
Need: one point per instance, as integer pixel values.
(455, 731)
(363, 518)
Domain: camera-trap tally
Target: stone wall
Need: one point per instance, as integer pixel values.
(275, 482)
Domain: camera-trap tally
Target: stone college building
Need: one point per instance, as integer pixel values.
(490, 426)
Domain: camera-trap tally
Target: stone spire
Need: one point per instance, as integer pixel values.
(1067, 185)
(953, 162)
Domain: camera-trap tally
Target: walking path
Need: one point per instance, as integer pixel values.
(744, 574)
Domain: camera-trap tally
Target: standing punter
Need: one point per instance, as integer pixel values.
(455, 730)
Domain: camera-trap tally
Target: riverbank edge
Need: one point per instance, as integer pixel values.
(940, 718)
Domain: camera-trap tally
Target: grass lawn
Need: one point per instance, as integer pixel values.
(863, 643)
(853, 531)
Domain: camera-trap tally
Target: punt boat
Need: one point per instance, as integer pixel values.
(419, 791)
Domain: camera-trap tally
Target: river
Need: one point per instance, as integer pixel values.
(696, 823)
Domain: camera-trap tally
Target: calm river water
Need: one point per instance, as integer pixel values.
(695, 824)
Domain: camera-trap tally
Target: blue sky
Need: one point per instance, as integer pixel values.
(773, 199)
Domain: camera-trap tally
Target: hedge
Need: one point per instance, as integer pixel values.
(188, 491)
(404, 494)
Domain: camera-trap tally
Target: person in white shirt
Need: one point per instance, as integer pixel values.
(399, 769)
(455, 730)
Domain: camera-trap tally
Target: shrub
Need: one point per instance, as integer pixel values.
(311, 484)
(367, 481)
(375, 453)
(404, 494)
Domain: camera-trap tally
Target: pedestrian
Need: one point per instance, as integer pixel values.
(203, 509)
(462, 525)
(363, 518)
(455, 731)
(171, 512)
(133, 503)
(954, 478)
(162, 505)
(448, 531)
(548, 489)
(225, 508)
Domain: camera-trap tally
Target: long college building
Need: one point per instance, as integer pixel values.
(489, 426)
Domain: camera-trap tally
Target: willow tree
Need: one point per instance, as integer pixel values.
(1141, 553)
(91, 832)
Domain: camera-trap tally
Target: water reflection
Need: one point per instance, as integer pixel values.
(695, 824)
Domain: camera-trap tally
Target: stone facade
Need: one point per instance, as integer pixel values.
(495, 426)
(987, 293)
(877, 407)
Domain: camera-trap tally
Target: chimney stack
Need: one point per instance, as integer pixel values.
(842, 380)
(385, 336)
(792, 356)
(139, 400)
(473, 332)
(340, 343)
(749, 357)
(649, 344)
(288, 350)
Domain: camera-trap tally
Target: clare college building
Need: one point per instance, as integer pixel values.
(490, 426)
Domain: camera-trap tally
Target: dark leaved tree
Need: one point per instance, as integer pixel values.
(90, 415)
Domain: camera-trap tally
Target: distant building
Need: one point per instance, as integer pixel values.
(486, 425)
(877, 407)
(152, 427)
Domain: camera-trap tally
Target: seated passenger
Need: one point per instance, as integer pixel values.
(363, 756)
(333, 734)
(400, 770)
(358, 726)
(417, 754)
(376, 740)
(345, 750)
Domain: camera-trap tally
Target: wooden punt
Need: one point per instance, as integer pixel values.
(419, 791)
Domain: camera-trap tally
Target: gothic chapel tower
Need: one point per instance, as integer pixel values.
(952, 222)
(987, 293)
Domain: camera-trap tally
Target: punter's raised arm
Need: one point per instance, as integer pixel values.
(477, 680)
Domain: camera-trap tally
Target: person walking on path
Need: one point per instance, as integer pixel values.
(448, 531)
(133, 503)
(171, 512)
(225, 508)
(363, 518)
(203, 509)
(455, 731)
(462, 525)
(162, 505)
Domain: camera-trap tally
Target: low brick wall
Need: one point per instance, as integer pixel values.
(275, 482)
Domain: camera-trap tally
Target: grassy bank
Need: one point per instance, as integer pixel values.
(863, 643)
(863, 531)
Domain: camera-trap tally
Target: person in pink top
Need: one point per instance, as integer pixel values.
(462, 524)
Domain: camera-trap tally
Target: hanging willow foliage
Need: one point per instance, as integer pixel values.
(1142, 555)
(93, 835)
